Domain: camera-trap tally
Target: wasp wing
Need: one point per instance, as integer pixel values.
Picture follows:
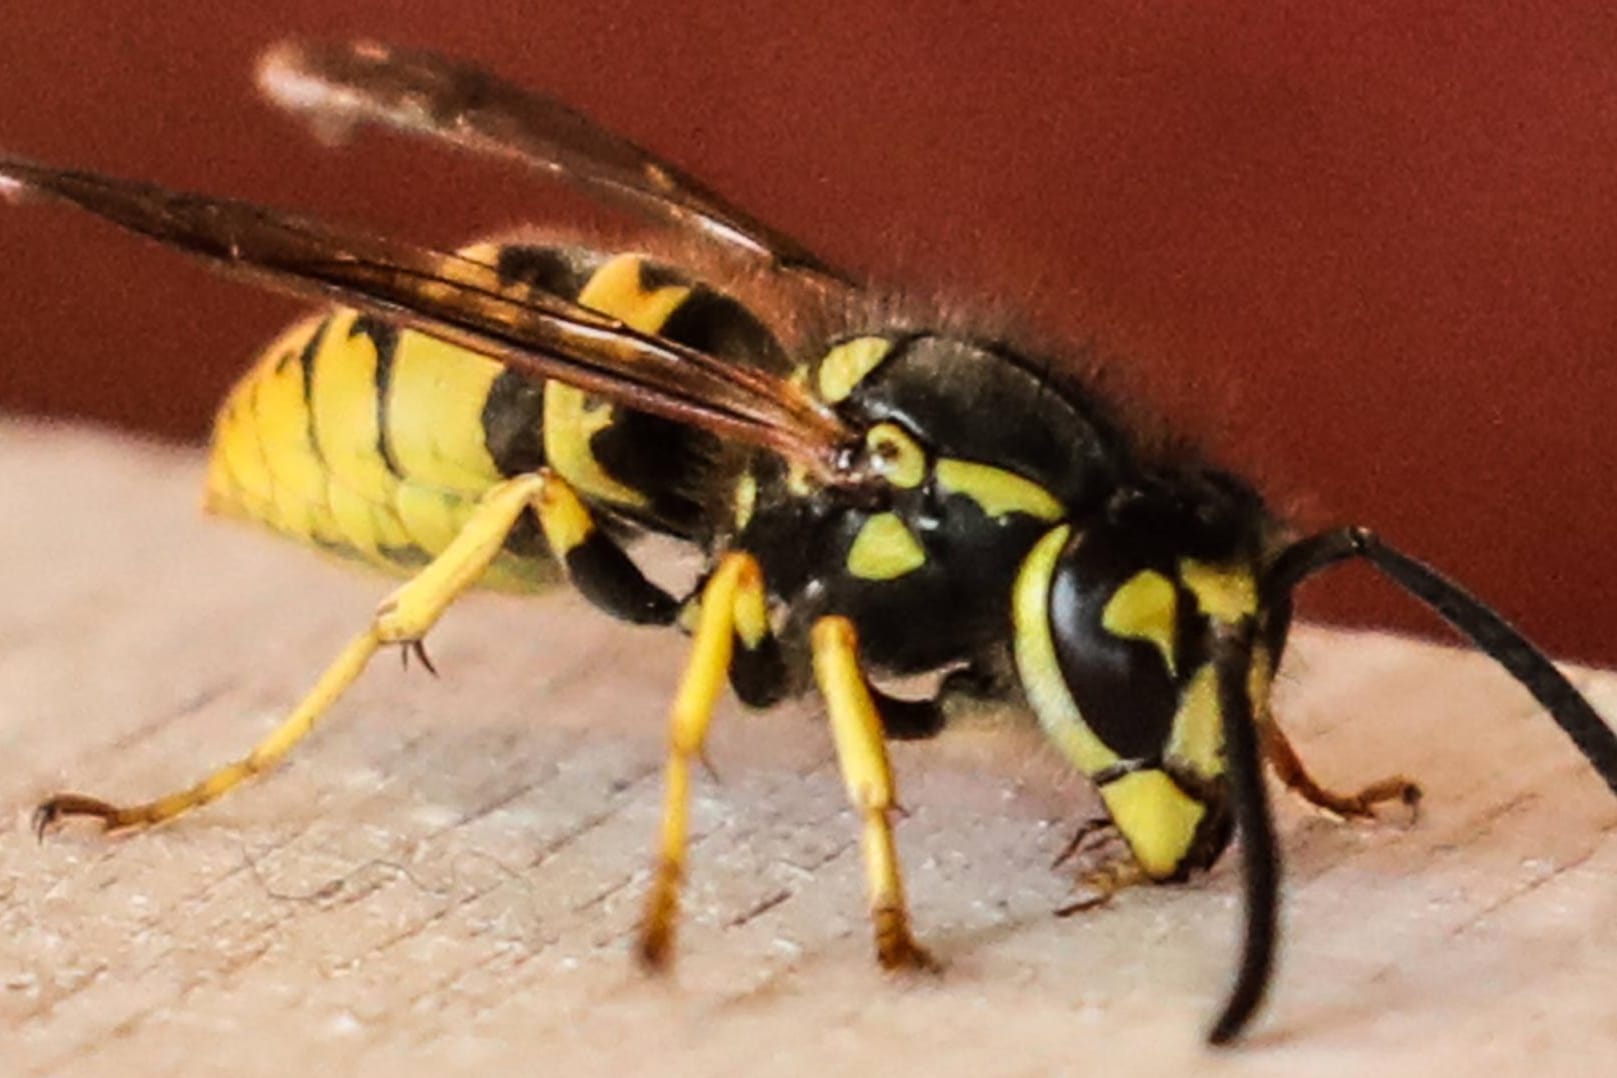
(465, 302)
(341, 86)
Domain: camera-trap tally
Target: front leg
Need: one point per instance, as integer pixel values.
(1106, 865)
(600, 569)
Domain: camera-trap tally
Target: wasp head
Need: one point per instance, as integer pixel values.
(1118, 621)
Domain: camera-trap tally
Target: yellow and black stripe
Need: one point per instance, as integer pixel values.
(911, 501)
(375, 442)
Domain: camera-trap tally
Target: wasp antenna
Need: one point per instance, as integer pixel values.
(1468, 614)
(1260, 857)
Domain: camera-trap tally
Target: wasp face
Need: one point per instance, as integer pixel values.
(1115, 645)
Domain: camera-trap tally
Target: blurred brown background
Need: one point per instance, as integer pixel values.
(1369, 255)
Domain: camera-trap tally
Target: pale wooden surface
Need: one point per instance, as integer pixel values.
(445, 879)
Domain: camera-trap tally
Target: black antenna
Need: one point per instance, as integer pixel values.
(1490, 632)
(1260, 857)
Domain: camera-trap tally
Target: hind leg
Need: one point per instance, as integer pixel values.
(600, 569)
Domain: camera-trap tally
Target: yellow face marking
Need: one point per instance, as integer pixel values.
(1223, 594)
(884, 549)
(898, 458)
(1036, 663)
(1197, 739)
(1156, 818)
(998, 492)
(848, 364)
(1145, 608)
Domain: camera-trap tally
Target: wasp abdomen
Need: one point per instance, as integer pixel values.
(373, 442)
(377, 442)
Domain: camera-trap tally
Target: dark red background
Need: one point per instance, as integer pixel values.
(1370, 255)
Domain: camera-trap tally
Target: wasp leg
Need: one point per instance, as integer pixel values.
(402, 618)
(597, 566)
(758, 670)
(1288, 766)
(732, 604)
(1108, 865)
(856, 727)
(1100, 884)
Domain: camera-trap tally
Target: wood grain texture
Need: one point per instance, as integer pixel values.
(444, 881)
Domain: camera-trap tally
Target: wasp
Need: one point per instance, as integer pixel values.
(879, 499)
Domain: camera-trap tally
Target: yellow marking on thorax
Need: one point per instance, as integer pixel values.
(571, 418)
(884, 549)
(1036, 663)
(744, 501)
(1197, 738)
(1224, 594)
(997, 491)
(1156, 818)
(1145, 608)
(897, 457)
(798, 481)
(848, 364)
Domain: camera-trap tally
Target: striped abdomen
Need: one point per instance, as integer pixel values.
(377, 442)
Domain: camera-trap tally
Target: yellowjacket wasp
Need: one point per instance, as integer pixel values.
(891, 500)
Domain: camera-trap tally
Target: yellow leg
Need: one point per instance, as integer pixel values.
(862, 752)
(732, 601)
(1288, 766)
(402, 618)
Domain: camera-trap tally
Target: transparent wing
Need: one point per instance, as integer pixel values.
(342, 86)
(466, 303)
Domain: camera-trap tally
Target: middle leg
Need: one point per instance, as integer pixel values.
(856, 727)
